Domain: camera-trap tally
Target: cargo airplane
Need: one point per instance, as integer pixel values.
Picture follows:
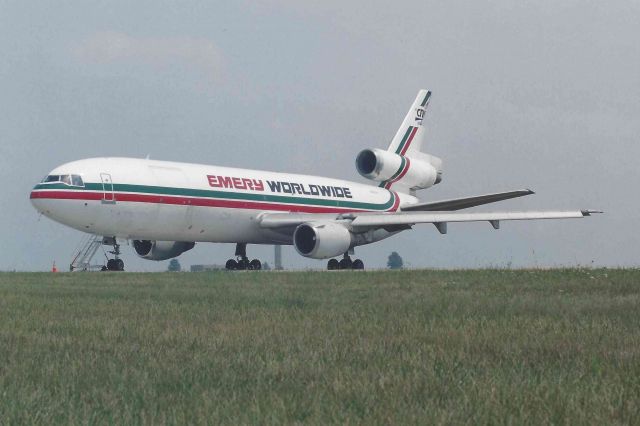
(164, 207)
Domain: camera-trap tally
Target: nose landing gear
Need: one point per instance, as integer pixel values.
(241, 262)
(115, 264)
(345, 263)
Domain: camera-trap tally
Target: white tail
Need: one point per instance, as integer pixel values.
(410, 135)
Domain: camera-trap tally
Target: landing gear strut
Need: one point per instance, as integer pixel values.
(115, 264)
(345, 263)
(241, 262)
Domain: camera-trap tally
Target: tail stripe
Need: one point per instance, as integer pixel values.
(408, 144)
(406, 140)
(402, 170)
(426, 100)
(400, 176)
(403, 162)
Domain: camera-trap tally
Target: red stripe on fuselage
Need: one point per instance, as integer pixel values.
(200, 202)
(68, 195)
(396, 203)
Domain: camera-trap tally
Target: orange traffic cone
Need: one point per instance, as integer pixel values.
(54, 269)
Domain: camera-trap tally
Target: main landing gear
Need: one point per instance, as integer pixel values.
(345, 263)
(241, 262)
(115, 264)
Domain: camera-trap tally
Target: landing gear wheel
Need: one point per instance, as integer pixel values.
(241, 261)
(242, 264)
(115, 265)
(345, 263)
(333, 264)
(255, 265)
(357, 264)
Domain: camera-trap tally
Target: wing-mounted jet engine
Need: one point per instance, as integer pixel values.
(327, 240)
(322, 240)
(161, 250)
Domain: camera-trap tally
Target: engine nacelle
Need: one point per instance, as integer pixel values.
(416, 172)
(321, 241)
(161, 250)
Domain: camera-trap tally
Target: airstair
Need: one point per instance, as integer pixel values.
(85, 253)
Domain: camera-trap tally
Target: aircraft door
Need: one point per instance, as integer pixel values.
(108, 196)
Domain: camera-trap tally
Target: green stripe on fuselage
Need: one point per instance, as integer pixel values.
(226, 195)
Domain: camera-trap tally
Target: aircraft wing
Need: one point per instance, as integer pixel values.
(361, 222)
(465, 203)
(440, 219)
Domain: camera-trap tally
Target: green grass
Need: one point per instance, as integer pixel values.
(411, 347)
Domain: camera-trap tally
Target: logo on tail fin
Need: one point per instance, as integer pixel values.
(423, 106)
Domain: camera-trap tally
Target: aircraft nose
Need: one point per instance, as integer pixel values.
(36, 201)
(39, 201)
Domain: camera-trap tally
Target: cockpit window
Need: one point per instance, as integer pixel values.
(71, 180)
(76, 180)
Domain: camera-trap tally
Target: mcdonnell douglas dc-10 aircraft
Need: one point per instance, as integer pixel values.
(166, 207)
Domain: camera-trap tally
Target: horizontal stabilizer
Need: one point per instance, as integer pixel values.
(465, 203)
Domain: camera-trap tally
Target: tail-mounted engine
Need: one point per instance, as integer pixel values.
(416, 172)
(161, 250)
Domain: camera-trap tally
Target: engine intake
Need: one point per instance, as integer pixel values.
(321, 241)
(366, 163)
(161, 250)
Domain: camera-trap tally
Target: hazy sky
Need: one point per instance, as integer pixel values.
(538, 94)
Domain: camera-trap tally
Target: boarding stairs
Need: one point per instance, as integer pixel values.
(85, 253)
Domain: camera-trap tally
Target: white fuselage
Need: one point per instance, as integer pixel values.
(170, 201)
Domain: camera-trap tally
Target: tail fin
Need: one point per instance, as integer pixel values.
(417, 170)
(410, 134)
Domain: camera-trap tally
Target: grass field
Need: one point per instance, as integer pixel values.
(409, 347)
